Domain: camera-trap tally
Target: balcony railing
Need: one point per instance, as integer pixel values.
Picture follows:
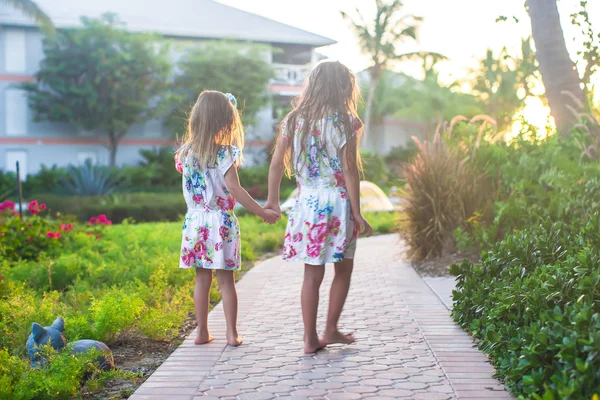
(290, 75)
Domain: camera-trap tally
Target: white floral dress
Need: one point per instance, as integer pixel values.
(211, 232)
(320, 227)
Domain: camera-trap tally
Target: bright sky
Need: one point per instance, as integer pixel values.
(462, 30)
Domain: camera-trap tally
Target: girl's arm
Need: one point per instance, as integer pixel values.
(232, 181)
(275, 175)
(352, 177)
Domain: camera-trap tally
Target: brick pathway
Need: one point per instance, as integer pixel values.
(407, 345)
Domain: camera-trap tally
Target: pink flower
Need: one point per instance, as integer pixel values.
(53, 235)
(1, 277)
(198, 198)
(317, 233)
(313, 250)
(224, 232)
(93, 221)
(7, 205)
(298, 237)
(230, 263)
(178, 164)
(203, 233)
(66, 227)
(218, 246)
(334, 225)
(227, 204)
(340, 181)
(200, 248)
(188, 257)
(289, 252)
(42, 206)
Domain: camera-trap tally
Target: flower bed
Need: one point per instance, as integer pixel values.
(116, 283)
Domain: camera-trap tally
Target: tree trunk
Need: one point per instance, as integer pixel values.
(369, 106)
(113, 143)
(558, 70)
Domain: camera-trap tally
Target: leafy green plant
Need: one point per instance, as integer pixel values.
(91, 180)
(533, 304)
(30, 237)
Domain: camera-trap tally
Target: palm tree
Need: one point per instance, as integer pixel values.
(31, 9)
(379, 38)
(558, 70)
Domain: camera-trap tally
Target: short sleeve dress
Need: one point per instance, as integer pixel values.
(320, 226)
(211, 232)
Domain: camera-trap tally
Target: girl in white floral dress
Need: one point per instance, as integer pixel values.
(208, 161)
(319, 143)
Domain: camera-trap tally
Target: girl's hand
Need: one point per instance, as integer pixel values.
(363, 226)
(270, 216)
(271, 205)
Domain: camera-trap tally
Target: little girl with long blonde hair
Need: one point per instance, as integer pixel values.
(319, 144)
(208, 161)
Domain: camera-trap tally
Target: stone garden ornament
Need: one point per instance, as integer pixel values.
(53, 335)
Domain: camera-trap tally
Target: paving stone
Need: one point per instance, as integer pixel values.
(405, 341)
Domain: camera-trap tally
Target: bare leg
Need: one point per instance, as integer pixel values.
(226, 281)
(201, 302)
(337, 297)
(313, 276)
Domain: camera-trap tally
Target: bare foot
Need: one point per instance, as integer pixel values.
(234, 340)
(314, 345)
(203, 338)
(338, 337)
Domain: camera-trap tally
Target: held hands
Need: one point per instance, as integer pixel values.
(362, 226)
(271, 210)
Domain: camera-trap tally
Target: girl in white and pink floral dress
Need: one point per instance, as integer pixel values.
(208, 161)
(319, 145)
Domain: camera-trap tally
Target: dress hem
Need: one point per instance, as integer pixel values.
(299, 260)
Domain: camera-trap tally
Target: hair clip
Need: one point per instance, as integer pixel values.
(232, 99)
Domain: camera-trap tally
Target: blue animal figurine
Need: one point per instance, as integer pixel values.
(53, 335)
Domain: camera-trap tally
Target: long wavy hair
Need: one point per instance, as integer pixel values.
(330, 89)
(213, 122)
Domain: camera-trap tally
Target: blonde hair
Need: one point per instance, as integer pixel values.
(331, 88)
(214, 122)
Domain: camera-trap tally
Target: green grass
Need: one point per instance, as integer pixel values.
(124, 285)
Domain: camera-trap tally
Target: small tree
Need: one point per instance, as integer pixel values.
(101, 79)
(378, 39)
(237, 68)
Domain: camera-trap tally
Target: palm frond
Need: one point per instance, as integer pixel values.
(31, 9)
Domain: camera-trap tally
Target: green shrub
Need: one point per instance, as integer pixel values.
(534, 304)
(114, 312)
(11, 371)
(537, 181)
(30, 237)
(141, 207)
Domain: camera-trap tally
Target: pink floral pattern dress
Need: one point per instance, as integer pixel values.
(211, 232)
(320, 226)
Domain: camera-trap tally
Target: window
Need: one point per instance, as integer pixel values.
(84, 156)
(14, 156)
(15, 56)
(16, 112)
